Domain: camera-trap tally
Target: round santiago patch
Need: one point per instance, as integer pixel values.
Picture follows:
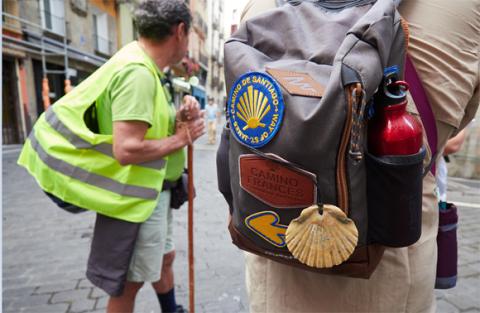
(255, 108)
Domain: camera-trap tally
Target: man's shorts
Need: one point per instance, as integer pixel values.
(153, 242)
(122, 250)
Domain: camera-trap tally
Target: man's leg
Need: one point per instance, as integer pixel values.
(125, 302)
(211, 132)
(166, 281)
(111, 251)
(165, 286)
(153, 243)
(214, 131)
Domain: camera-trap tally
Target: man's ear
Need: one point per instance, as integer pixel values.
(181, 30)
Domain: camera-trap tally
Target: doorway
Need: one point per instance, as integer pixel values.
(11, 126)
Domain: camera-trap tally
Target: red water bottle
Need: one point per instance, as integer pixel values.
(392, 130)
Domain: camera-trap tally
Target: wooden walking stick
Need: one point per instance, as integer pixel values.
(191, 194)
(191, 260)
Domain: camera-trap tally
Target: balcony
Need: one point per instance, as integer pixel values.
(214, 82)
(214, 55)
(220, 86)
(203, 59)
(200, 25)
(215, 23)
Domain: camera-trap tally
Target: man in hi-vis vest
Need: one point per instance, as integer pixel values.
(114, 145)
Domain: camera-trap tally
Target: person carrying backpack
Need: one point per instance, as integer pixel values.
(278, 52)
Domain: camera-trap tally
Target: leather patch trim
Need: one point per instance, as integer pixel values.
(297, 83)
(275, 184)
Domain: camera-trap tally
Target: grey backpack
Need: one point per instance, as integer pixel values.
(301, 79)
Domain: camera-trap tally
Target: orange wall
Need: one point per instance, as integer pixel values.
(107, 6)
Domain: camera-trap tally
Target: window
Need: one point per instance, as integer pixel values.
(53, 15)
(100, 26)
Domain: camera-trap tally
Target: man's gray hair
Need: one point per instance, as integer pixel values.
(155, 19)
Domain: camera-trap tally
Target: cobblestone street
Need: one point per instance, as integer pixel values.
(45, 249)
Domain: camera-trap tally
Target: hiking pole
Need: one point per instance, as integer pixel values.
(191, 260)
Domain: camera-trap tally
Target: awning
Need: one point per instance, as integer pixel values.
(198, 91)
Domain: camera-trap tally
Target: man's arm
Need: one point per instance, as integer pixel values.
(131, 120)
(131, 147)
(454, 144)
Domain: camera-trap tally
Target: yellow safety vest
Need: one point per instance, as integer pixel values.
(77, 165)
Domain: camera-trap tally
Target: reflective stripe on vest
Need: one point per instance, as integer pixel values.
(79, 143)
(90, 178)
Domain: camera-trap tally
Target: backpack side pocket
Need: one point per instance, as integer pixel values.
(394, 196)
(223, 168)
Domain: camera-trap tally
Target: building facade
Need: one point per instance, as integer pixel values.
(126, 27)
(50, 46)
(216, 39)
(196, 62)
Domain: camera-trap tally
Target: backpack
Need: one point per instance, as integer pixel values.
(301, 81)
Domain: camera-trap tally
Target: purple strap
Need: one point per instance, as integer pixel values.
(423, 106)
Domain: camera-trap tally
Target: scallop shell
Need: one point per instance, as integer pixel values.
(252, 108)
(322, 241)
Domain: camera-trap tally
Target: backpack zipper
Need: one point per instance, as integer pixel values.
(341, 174)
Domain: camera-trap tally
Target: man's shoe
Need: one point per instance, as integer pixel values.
(181, 309)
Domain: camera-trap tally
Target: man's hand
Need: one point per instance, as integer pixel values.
(190, 131)
(189, 110)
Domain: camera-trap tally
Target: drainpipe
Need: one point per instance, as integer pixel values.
(45, 88)
(67, 82)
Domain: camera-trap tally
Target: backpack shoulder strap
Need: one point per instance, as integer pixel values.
(329, 4)
(424, 108)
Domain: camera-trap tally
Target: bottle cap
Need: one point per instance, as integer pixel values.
(392, 90)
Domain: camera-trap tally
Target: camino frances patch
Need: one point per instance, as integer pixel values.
(255, 106)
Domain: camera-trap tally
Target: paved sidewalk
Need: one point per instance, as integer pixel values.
(45, 250)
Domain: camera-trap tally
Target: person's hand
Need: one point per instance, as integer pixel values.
(189, 110)
(190, 131)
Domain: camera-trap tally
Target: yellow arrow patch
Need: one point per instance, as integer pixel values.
(267, 225)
